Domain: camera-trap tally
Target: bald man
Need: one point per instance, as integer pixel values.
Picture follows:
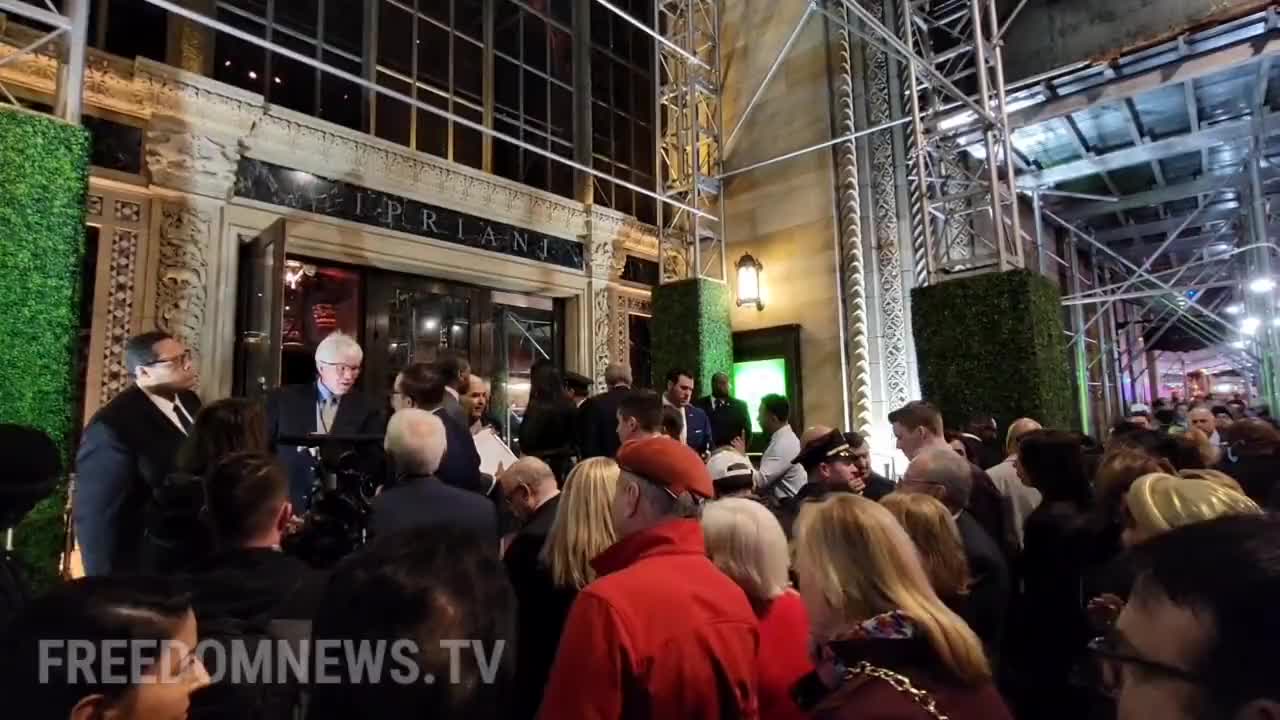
(944, 474)
(1019, 499)
(416, 443)
(530, 489)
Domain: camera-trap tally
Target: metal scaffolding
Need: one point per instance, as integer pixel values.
(70, 36)
(689, 120)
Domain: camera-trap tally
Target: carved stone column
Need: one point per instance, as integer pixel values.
(601, 230)
(193, 174)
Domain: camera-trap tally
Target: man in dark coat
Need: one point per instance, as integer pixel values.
(425, 387)
(945, 475)
(720, 402)
(249, 578)
(598, 415)
(529, 487)
(456, 371)
(696, 430)
(130, 444)
(329, 406)
(416, 442)
(877, 486)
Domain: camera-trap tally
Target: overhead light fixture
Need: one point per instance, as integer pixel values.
(1233, 309)
(1238, 344)
(1218, 248)
(1250, 325)
(749, 270)
(1262, 284)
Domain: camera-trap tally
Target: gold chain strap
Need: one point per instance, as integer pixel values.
(901, 683)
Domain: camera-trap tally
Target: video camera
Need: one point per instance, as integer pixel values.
(348, 474)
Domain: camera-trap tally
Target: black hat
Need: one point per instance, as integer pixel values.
(828, 448)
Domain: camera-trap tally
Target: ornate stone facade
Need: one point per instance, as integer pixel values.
(195, 132)
(119, 324)
(884, 191)
(849, 207)
(182, 278)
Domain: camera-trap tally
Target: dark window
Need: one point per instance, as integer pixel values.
(115, 146)
(135, 28)
(622, 108)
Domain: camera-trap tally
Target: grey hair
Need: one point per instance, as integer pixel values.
(746, 542)
(683, 506)
(617, 374)
(416, 441)
(336, 346)
(951, 471)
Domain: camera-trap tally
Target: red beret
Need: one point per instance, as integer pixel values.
(664, 461)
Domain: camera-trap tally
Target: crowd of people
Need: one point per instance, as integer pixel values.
(634, 562)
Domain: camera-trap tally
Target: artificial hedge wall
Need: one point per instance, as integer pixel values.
(691, 330)
(43, 178)
(994, 343)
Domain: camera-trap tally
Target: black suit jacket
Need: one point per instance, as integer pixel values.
(990, 587)
(734, 407)
(421, 502)
(541, 611)
(291, 410)
(598, 423)
(460, 466)
(255, 585)
(128, 446)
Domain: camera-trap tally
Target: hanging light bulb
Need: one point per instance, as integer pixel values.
(1262, 284)
(1233, 309)
(1250, 325)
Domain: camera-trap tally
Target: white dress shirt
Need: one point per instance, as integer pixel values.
(171, 408)
(776, 464)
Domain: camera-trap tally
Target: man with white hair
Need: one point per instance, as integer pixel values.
(329, 406)
(416, 443)
(947, 476)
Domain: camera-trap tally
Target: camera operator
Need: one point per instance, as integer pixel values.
(423, 386)
(416, 442)
(328, 407)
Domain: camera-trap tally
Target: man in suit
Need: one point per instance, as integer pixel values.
(598, 416)
(424, 386)
(130, 444)
(721, 402)
(947, 476)
(329, 406)
(529, 487)
(696, 430)
(456, 371)
(416, 442)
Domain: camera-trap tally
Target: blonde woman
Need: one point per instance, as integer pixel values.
(746, 542)
(582, 529)
(1158, 503)
(886, 645)
(933, 530)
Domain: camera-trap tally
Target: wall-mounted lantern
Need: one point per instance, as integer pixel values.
(749, 270)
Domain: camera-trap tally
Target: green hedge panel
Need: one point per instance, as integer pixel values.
(691, 330)
(994, 343)
(43, 180)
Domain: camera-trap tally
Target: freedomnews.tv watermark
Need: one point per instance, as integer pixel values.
(307, 662)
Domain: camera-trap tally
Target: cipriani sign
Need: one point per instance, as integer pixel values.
(265, 182)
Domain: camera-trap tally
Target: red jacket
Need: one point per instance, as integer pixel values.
(784, 656)
(661, 634)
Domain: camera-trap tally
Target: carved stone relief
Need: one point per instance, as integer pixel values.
(120, 300)
(850, 219)
(183, 272)
(196, 163)
(624, 305)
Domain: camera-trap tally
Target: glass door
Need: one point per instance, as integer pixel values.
(260, 296)
(523, 335)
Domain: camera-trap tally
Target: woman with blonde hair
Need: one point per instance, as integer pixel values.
(934, 531)
(746, 542)
(1158, 503)
(886, 645)
(582, 529)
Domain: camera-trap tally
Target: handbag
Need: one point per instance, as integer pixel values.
(898, 682)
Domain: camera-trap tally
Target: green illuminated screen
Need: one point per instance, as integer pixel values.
(757, 378)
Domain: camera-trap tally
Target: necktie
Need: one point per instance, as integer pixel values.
(328, 411)
(183, 418)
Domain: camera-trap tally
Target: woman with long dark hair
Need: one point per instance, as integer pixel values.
(1060, 537)
(175, 537)
(547, 429)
